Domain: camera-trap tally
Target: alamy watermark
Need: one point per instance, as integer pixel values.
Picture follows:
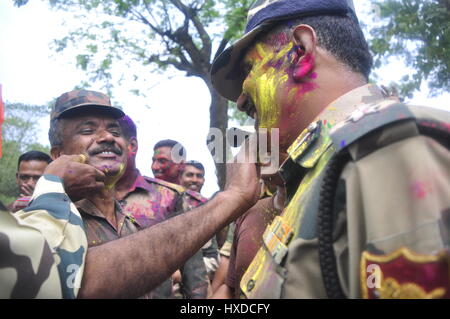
(267, 150)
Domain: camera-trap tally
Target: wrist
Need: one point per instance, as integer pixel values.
(236, 200)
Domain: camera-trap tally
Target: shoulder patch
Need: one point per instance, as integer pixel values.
(178, 188)
(368, 119)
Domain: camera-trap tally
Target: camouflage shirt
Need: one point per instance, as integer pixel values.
(43, 247)
(368, 206)
(151, 201)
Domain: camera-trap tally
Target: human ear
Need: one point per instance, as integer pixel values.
(305, 39)
(133, 145)
(55, 152)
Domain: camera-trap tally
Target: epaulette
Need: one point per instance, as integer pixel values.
(367, 122)
(367, 119)
(197, 196)
(177, 188)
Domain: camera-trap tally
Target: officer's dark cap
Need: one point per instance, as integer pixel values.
(226, 73)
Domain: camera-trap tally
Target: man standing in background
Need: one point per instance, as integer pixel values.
(151, 201)
(30, 168)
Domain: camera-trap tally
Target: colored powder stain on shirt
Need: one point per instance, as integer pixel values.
(419, 189)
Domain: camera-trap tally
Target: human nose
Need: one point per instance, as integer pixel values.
(105, 136)
(242, 102)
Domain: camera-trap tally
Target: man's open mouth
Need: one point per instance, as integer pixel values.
(109, 152)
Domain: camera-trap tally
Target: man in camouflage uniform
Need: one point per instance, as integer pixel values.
(44, 250)
(367, 177)
(150, 201)
(43, 247)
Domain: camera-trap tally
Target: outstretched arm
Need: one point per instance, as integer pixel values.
(130, 266)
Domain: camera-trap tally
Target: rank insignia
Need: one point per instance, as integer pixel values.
(404, 274)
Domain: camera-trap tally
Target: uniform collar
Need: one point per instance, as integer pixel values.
(87, 207)
(139, 182)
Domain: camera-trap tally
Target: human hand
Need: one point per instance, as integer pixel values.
(80, 179)
(244, 173)
(26, 190)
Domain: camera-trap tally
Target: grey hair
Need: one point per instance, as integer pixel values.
(55, 134)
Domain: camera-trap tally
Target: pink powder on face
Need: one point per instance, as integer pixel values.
(279, 39)
(313, 75)
(305, 88)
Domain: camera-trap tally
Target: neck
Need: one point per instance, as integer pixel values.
(126, 183)
(331, 83)
(104, 200)
(173, 180)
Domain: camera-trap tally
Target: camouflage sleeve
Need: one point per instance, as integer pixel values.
(56, 218)
(194, 278)
(27, 266)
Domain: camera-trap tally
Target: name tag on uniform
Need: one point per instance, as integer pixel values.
(276, 238)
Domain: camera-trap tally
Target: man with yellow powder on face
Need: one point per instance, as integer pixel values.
(367, 177)
(85, 122)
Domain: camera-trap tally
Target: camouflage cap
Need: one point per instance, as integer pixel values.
(226, 73)
(81, 99)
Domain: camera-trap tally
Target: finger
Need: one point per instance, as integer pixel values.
(99, 175)
(80, 158)
(99, 185)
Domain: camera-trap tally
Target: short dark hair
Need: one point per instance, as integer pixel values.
(55, 132)
(34, 156)
(128, 127)
(171, 144)
(195, 164)
(341, 36)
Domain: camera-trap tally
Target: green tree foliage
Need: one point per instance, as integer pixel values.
(418, 31)
(19, 133)
(160, 35)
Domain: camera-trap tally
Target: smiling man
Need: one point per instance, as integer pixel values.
(167, 160)
(84, 122)
(193, 176)
(367, 177)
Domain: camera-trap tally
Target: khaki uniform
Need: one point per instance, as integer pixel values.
(368, 209)
(42, 247)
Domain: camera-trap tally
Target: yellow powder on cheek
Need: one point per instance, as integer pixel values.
(266, 80)
(114, 179)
